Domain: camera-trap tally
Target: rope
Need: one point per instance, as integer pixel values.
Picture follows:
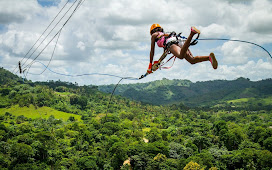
(226, 39)
(51, 31)
(50, 58)
(161, 66)
(111, 98)
(80, 75)
(29, 65)
(42, 33)
(100, 74)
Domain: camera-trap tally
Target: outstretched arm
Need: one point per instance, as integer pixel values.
(152, 50)
(151, 55)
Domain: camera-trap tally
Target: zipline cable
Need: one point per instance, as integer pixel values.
(100, 74)
(50, 31)
(30, 64)
(227, 39)
(52, 52)
(43, 33)
(51, 55)
(111, 98)
(80, 75)
(49, 34)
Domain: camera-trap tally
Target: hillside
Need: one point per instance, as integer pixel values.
(60, 125)
(209, 93)
(7, 78)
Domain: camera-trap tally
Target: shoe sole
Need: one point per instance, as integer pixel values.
(214, 63)
(195, 30)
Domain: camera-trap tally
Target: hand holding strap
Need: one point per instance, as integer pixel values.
(155, 66)
(149, 70)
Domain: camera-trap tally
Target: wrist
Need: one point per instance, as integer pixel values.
(150, 66)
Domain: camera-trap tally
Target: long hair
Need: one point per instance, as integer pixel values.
(156, 29)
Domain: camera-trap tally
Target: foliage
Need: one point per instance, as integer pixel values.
(60, 125)
(235, 93)
(192, 166)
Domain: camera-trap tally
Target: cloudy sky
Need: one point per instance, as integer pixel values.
(112, 37)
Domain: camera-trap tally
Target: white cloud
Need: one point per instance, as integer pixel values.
(17, 10)
(260, 19)
(213, 30)
(113, 37)
(81, 45)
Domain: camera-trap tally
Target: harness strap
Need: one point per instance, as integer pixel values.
(168, 61)
(195, 40)
(173, 33)
(158, 38)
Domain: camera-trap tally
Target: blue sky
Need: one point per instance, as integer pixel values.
(48, 3)
(113, 37)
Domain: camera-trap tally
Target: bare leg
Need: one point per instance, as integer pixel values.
(184, 52)
(186, 45)
(181, 52)
(197, 59)
(175, 50)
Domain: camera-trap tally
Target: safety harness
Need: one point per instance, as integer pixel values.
(175, 41)
(158, 64)
(177, 36)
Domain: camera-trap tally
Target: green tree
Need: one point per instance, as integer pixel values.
(164, 135)
(159, 162)
(235, 137)
(110, 128)
(140, 161)
(4, 161)
(268, 144)
(201, 142)
(54, 157)
(87, 162)
(118, 154)
(71, 119)
(154, 135)
(192, 166)
(204, 158)
(176, 150)
(20, 119)
(21, 152)
(156, 148)
(259, 135)
(249, 144)
(82, 101)
(218, 126)
(264, 159)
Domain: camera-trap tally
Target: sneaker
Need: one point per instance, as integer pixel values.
(194, 30)
(213, 61)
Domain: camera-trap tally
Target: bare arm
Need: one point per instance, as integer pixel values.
(153, 38)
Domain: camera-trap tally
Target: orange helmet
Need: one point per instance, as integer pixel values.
(153, 26)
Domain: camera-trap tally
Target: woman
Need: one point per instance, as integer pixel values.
(179, 49)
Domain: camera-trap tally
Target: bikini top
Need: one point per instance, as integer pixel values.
(160, 39)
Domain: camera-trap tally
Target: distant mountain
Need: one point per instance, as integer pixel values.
(167, 92)
(7, 77)
(208, 93)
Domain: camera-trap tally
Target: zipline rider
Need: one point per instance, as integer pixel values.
(178, 47)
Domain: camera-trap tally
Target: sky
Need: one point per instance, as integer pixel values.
(112, 37)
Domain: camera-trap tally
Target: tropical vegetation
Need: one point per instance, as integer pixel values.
(61, 125)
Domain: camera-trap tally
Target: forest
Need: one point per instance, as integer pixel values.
(208, 93)
(61, 125)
